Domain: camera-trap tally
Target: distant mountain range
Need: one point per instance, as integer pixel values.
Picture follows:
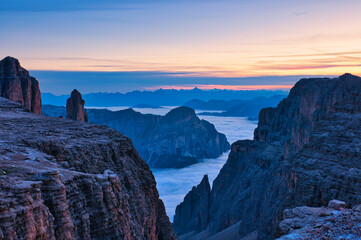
(160, 97)
(235, 108)
(145, 105)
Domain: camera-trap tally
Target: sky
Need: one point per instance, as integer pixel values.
(188, 39)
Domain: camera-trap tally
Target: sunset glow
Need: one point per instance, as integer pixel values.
(226, 87)
(193, 38)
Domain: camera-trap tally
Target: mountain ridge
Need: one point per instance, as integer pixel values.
(160, 97)
(176, 140)
(306, 151)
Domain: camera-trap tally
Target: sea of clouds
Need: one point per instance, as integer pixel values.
(174, 184)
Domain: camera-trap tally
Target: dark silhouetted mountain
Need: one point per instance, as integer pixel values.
(175, 140)
(195, 206)
(159, 97)
(145, 105)
(212, 104)
(236, 108)
(17, 85)
(305, 152)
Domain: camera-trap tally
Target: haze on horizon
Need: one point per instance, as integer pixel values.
(127, 45)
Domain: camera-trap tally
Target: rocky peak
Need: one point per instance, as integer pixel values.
(180, 114)
(310, 100)
(10, 67)
(306, 152)
(265, 120)
(75, 107)
(192, 214)
(204, 183)
(17, 85)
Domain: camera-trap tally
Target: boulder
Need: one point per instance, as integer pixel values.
(336, 204)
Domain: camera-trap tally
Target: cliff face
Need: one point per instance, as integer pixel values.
(75, 107)
(63, 179)
(175, 140)
(195, 208)
(17, 85)
(306, 152)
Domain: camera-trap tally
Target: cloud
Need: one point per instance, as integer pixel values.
(298, 13)
(312, 54)
(174, 184)
(309, 67)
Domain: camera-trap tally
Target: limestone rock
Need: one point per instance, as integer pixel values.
(63, 179)
(336, 204)
(193, 214)
(306, 152)
(75, 107)
(17, 85)
(320, 223)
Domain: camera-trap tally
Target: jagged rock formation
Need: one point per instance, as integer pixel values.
(195, 207)
(63, 179)
(305, 152)
(321, 223)
(17, 85)
(75, 107)
(175, 140)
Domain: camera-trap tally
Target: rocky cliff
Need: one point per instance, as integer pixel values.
(175, 140)
(17, 85)
(305, 152)
(195, 208)
(63, 179)
(75, 107)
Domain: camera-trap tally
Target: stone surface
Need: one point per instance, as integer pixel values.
(75, 107)
(336, 204)
(306, 151)
(175, 140)
(64, 179)
(320, 223)
(17, 85)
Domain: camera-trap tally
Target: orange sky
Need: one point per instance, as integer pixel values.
(224, 39)
(224, 87)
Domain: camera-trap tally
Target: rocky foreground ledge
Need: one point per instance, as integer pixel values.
(64, 179)
(332, 222)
